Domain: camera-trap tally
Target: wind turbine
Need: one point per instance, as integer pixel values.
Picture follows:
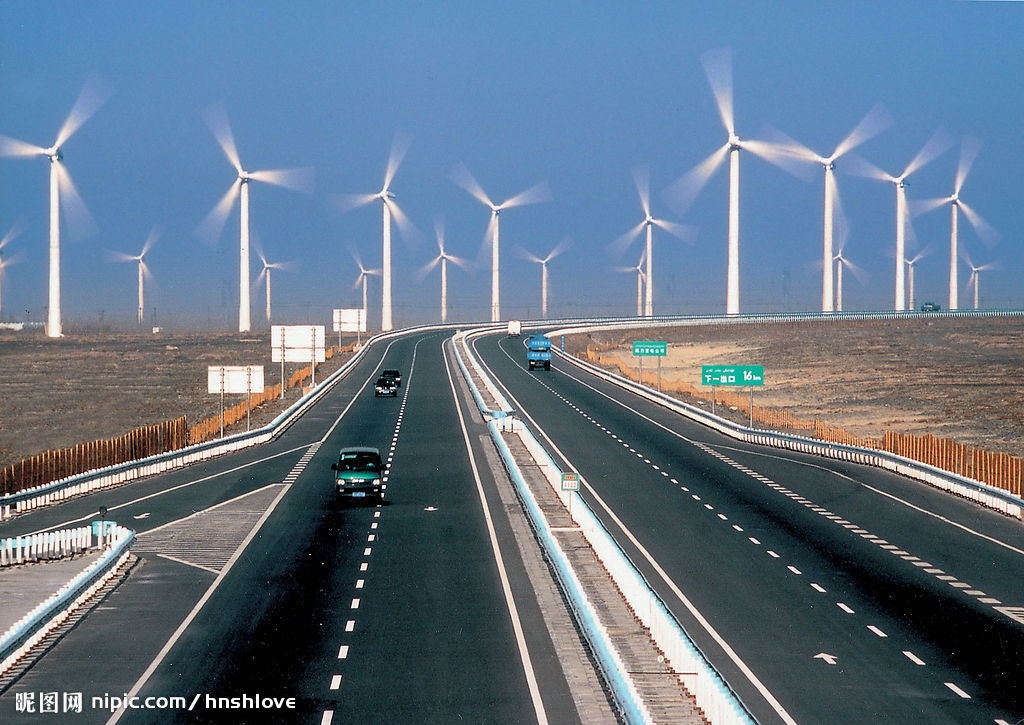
(265, 273)
(911, 263)
(534, 195)
(560, 248)
(6, 262)
(364, 275)
(216, 118)
(975, 278)
(442, 258)
(94, 94)
(842, 262)
(390, 209)
(143, 270)
(935, 147)
(639, 269)
(642, 180)
(968, 153)
(876, 121)
(682, 193)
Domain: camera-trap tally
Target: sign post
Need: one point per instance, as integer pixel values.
(298, 343)
(350, 320)
(234, 379)
(733, 375)
(570, 482)
(650, 349)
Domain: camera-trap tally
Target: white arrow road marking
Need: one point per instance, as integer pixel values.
(831, 659)
(142, 516)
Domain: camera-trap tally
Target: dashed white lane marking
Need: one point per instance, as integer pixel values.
(327, 718)
(350, 625)
(772, 554)
(343, 652)
(360, 583)
(371, 537)
(367, 551)
(957, 690)
(844, 607)
(754, 541)
(877, 631)
(818, 588)
(363, 566)
(355, 604)
(913, 657)
(336, 682)
(794, 570)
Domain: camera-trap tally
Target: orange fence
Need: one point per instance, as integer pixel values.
(146, 441)
(56, 464)
(996, 469)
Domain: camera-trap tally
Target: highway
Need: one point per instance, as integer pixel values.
(414, 611)
(825, 592)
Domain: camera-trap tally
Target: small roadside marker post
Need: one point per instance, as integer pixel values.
(570, 482)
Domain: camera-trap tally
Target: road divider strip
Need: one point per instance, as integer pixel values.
(28, 631)
(711, 693)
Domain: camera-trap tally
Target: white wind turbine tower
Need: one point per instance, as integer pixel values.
(639, 269)
(265, 275)
(390, 210)
(442, 258)
(975, 278)
(968, 153)
(935, 146)
(143, 270)
(682, 193)
(94, 94)
(364, 275)
(842, 263)
(6, 262)
(534, 195)
(216, 118)
(876, 121)
(911, 264)
(642, 180)
(560, 248)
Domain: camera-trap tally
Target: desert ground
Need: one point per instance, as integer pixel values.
(55, 393)
(957, 378)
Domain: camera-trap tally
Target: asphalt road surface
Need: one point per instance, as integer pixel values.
(255, 582)
(826, 592)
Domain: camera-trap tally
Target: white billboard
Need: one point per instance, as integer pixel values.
(234, 379)
(298, 343)
(352, 320)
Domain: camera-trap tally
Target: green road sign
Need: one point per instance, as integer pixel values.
(732, 374)
(570, 482)
(650, 348)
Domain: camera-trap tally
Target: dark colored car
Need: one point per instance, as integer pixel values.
(394, 375)
(358, 473)
(385, 387)
(931, 307)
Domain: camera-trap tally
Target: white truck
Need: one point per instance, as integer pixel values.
(515, 328)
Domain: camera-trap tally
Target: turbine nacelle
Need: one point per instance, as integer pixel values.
(734, 142)
(53, 154)
(243, 176)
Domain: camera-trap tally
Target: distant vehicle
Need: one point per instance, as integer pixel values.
(385, 387)
(358, 473)
(538, 352)
(931, 307)
(515, 328)
(394, 375)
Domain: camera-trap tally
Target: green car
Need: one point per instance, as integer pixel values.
(358, 473)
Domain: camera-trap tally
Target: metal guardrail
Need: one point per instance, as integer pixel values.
(42, 619)
(990, 496)
(711, 692)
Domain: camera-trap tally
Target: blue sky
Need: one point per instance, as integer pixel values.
(573, 93)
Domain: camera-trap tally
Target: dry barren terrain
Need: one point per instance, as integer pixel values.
(958, 378)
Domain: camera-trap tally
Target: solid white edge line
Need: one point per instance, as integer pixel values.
(725, 646)
(140, 683)
(517, 626)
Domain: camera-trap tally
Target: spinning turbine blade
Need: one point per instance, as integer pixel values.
(154, 235)
(718, 68)
(642, 179)
(348, 202)
(79, 220)
(94, 94)
(534, 195)
(779, 156)
(527, 255)
(968, 153)
(460, 175)
(12, 233)
(789, 145)
(682, 232)
(210, 228)
(684, 191)
(917, 207)
(985, 231)
(559, 249)
(620, 245)
(399, 147)
(294, 179)
(216, 117)
(935, 147)
(876, 121)
(857, 166)
(411, 235)
(12, 147)
(427, 268)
